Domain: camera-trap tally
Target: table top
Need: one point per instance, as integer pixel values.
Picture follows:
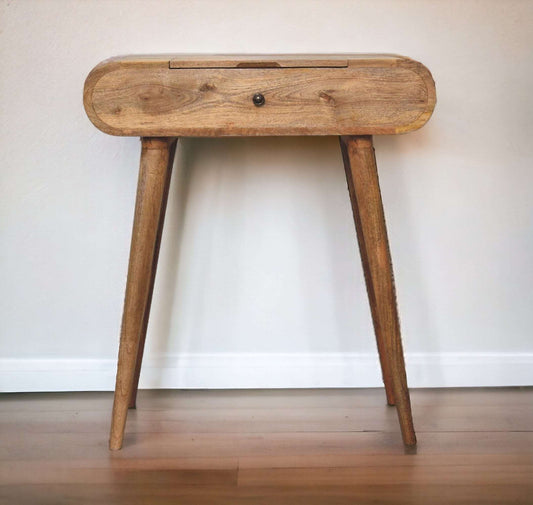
(203, 60)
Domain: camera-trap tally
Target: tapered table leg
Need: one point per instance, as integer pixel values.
(142, 337)
(363, 184)
(152, 188)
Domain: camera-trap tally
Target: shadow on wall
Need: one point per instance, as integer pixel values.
(259, 252)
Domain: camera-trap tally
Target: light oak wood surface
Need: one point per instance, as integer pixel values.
(161, 97)
(176, 96)
(475, 447)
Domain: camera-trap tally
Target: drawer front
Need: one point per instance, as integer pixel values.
(149, 100)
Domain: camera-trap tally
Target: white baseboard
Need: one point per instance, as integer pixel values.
(236, 371)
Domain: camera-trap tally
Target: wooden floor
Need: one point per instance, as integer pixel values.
(268, 447)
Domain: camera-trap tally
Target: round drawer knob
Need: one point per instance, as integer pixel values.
(258, 99)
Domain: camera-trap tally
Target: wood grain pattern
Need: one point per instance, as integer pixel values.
(374, 94)
(152, 187)
(58, 461)
(365, 195)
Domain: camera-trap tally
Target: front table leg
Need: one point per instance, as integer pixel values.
(140, 352)
(363, 184)
(154, 177)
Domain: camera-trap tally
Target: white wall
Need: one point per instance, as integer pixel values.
(260, 281)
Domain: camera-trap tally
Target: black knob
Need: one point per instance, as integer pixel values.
(258, 100)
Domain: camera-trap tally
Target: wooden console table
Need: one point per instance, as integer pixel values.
(162, 97)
